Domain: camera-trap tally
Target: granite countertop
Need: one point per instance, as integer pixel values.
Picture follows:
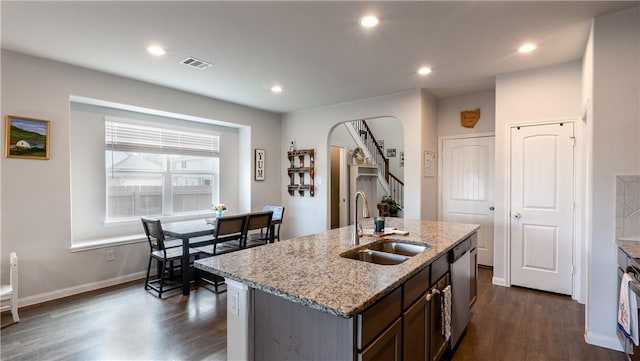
(630, 246)
(309, 270)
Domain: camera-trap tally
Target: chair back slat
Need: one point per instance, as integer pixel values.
(229, 225)
(259, 220)
(155, 234)
(278, 212)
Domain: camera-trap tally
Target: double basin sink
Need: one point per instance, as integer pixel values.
(386, 252)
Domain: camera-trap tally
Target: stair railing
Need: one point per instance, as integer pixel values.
(396, 186)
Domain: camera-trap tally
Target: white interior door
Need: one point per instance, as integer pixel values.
(542, 207)
(467, 188)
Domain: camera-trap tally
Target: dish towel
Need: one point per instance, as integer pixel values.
(628, 310)
(446, 312)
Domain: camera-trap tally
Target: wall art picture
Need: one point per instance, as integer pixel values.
(391, 152)
(259, 164)
(27, 138)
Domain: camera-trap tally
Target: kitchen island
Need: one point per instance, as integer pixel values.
(275, 288)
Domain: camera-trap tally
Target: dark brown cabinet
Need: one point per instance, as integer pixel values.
(437, 342)
(387, 347)
(422, 334)
(416, 331)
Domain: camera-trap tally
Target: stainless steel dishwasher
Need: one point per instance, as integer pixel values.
(460, 268)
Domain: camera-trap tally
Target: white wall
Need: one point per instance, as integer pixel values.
(449, 113)
(311, 129)
(36, 196)
(550, 93)
(615, 151)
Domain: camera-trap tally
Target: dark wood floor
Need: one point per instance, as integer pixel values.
(126, 322)
(522, 324)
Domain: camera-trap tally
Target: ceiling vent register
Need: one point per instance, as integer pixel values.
(196, 63)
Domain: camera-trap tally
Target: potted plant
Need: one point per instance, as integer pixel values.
(394, 207)
(357, 155)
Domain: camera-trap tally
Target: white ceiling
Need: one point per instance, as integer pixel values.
(315, 50)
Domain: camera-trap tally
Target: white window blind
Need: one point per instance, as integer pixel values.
(125, 137)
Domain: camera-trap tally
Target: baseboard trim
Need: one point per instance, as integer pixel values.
(54, 295)
(598, 339)
(499, 281)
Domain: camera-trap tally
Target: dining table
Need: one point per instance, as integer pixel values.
(185, 230)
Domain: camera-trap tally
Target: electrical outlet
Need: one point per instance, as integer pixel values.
(233, 302)
(110, 255)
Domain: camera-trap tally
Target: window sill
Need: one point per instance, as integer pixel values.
(107, 242)
(163, 219)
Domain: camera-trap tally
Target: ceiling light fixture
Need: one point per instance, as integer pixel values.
(156, 50)
(526, 48)
(276, 89)
(424, 70)
(369, 21)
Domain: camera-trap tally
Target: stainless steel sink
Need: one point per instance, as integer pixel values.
(398, 247)
(387, 252)
(377, 257)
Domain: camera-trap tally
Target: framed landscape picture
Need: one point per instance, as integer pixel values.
(27, 138)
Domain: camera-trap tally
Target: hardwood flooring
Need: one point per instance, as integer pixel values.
(120, 323)
(522, 324)
(127, 322)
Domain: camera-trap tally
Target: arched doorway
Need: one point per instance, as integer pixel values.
(382, 140)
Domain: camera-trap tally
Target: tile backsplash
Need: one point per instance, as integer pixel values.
(628, 207)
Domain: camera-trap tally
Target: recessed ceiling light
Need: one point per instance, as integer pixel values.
(526, 48)
(424, 70)
(156, 50)
(276, 89)
(369, 21)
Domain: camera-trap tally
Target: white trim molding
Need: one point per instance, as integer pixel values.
(54, 295)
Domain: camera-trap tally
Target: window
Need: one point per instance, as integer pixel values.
(154, 171)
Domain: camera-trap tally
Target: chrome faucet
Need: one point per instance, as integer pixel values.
(357, 231)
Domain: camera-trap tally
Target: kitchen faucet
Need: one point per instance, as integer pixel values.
(357, 231)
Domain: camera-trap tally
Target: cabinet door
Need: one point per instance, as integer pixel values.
(415, 331)
(387, 347)
(438, 344)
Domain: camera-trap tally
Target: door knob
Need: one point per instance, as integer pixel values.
(491, 208)
(516, 215)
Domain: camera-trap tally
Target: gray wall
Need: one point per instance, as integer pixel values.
(449, 113)
(615, 151)
(36, 197)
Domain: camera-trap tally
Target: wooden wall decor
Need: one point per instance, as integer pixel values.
(304, 169)
(469, 118)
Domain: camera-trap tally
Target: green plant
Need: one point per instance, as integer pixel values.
(358, 152)
(394, 207)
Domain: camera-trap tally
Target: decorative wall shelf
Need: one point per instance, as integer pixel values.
(301, 172)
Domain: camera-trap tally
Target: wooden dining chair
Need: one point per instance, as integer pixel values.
(164, 256)
(227, 237)
(257, 221)
(278, 216)
(9, 293)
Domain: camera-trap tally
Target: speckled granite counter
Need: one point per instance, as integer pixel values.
(630, 247)
(309, 270)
